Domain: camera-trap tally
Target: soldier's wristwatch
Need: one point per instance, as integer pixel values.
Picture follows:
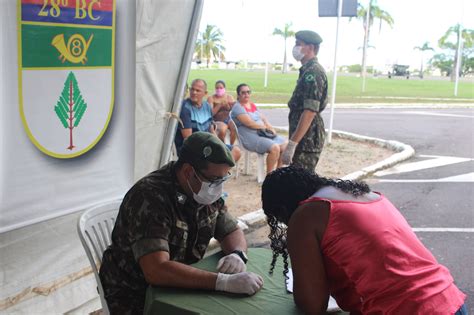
(242, 255)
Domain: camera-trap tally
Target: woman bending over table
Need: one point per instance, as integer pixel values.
(352, 243)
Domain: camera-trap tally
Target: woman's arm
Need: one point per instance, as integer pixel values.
(230, 100)
(248, 122)
(267, 123)
(215, 107)
(310, 288)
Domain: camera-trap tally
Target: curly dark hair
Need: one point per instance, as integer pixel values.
(283, 190)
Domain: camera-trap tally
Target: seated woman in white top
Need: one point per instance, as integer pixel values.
(249, 121)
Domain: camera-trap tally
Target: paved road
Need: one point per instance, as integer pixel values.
(435, 189)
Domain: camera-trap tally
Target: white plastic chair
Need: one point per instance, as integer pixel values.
(261, 171)
(95, 230)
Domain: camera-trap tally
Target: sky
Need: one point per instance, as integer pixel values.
(247, 27)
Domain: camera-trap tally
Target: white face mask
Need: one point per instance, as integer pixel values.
(297, 54)
(207, 195)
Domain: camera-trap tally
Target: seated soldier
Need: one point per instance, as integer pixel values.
(165, 223)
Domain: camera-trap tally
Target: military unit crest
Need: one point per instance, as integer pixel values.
(66, 73)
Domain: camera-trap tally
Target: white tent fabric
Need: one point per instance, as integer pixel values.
(36, 187)
(165, 31)
(43, 268)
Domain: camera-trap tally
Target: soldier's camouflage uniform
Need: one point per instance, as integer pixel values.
(157, 215)
(310, 93)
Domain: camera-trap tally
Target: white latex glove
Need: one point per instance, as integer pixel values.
(244, 282)
(287, 156)
(231, 264)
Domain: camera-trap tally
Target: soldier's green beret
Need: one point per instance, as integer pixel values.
(309, 37)
(203, 147)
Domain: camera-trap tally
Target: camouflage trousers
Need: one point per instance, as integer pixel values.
(306, 160)
(125, 304)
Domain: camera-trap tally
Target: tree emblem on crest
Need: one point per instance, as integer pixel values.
(71, 106)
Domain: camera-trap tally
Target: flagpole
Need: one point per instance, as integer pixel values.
(334, 73)
(458, 61)
(366, 41)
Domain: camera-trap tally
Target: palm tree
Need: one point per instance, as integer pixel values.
(209, 44)
(285, 33)
(467, 36)
(375, 12)
(423, 48)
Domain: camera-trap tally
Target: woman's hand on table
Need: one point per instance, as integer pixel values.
(244, 283)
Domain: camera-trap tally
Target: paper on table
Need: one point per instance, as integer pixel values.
(332, 304)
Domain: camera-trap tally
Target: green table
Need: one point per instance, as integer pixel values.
(271, 299)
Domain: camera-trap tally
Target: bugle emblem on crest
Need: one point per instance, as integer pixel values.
(76, 49)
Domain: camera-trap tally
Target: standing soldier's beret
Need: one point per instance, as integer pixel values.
(309, 37)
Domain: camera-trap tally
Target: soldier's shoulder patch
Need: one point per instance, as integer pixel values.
(309, 77)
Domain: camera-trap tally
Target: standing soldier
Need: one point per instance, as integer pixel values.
(306, 138)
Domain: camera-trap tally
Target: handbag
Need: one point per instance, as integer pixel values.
(267, 133)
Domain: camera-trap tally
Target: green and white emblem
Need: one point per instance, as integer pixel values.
(309, 78)
(66, 73)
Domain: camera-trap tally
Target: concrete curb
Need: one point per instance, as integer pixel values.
(403, 151)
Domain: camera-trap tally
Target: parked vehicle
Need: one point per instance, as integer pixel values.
(399, 71)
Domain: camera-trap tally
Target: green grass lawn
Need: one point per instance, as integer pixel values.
(381, 89)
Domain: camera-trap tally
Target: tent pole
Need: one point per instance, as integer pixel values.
(182, 78)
